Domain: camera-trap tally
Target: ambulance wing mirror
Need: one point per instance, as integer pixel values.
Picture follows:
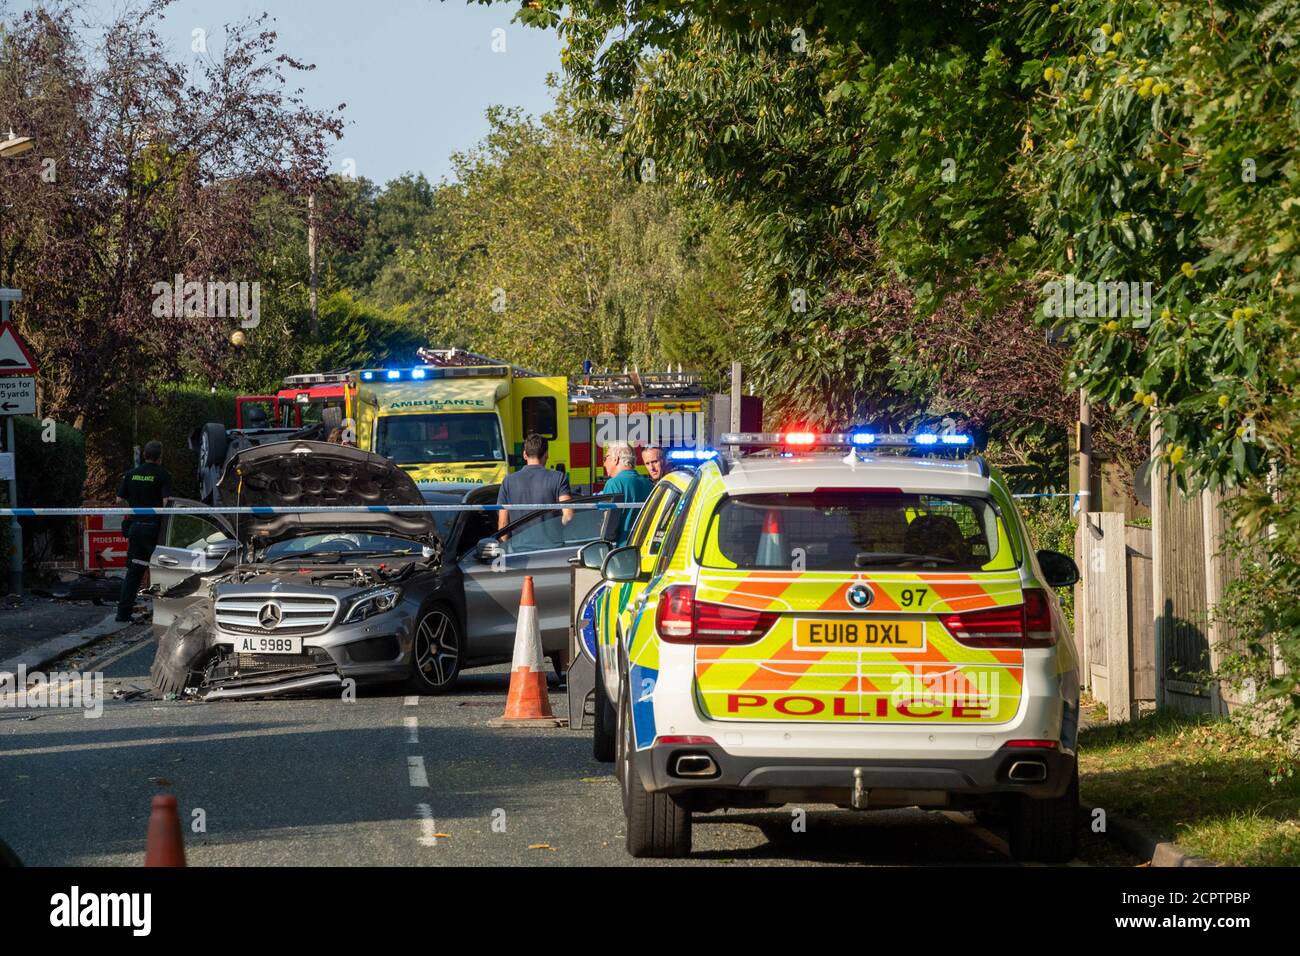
(621, 564)
(592, 555)
(1059, 570)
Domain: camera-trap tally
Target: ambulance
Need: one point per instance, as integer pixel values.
(459, 418)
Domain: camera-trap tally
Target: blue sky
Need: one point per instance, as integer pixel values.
(416, 75)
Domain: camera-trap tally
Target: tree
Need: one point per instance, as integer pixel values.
(145, 168)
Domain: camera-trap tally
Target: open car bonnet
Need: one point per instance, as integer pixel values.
(314, 474)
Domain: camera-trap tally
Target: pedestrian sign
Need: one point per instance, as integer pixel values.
(15, 357)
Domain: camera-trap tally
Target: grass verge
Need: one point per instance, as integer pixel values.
(1215, 789)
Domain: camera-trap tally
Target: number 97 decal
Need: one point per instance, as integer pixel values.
(912, 597)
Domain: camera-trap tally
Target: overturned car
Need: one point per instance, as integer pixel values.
(271, 603)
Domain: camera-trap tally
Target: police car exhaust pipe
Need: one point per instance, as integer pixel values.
(1028, 771)
(859, 798)
(695, 765)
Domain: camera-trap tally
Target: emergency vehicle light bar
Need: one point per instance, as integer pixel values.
(317, 378)
(427, 372)
(854, 439)
(691, 454)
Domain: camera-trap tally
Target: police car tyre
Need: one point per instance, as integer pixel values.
(657, 825)
(606, 720)
(437, 650)
(1047, 831)
(212, 445)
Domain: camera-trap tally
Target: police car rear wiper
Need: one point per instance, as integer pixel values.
(866, 559)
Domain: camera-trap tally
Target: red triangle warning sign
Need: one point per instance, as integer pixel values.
(15, 357)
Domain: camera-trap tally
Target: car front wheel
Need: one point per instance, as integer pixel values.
(437, 650)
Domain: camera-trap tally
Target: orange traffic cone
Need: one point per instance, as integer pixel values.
(528, 702)
(163, 846)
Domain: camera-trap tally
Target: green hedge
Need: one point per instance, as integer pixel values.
(51, 474)
(168, 413)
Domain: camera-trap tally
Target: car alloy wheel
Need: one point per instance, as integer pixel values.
(437, 650)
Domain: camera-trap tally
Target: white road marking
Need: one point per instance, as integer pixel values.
(428, 832)
(416, 772)
(413, 701)
(412, 729)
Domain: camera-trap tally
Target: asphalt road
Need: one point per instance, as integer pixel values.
(385, 780)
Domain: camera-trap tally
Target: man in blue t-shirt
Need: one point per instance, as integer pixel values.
(534, 484)
(625, 483)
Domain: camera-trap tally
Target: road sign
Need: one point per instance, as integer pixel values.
(15, 357)
(6, 465)
(104, 549)
(17, 396)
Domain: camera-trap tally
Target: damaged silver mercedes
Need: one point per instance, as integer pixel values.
(272, 603)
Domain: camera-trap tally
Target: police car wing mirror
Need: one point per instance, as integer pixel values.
(1059, 570)
(621, 564)
(592, 555)
(489, 549)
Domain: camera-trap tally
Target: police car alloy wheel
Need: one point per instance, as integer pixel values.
(436, 651)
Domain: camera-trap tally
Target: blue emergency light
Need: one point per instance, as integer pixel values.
(853, 439)
(427, 373)
(696, 455)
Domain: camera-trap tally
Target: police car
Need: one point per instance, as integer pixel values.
(857, 619)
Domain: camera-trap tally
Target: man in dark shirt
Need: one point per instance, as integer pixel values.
(144, 487)
(534, 484)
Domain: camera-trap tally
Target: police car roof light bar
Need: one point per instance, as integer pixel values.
(696, 455)
(853, 439)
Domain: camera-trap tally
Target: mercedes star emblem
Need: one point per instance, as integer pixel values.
(269, 616)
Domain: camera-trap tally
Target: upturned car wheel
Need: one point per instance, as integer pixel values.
(212, 445)
(437, 650)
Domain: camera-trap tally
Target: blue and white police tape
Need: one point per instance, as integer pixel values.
(305, 509)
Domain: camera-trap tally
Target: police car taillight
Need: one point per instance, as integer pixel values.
(681, 619)
(1038, 619)
(1025, 625)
